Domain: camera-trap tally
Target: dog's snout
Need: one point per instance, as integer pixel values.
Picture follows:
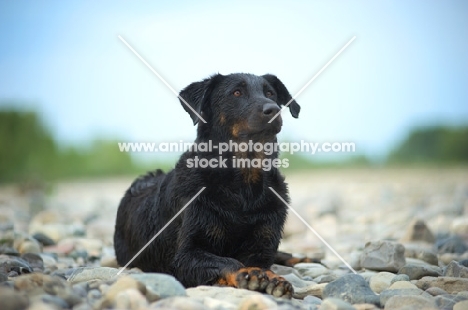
(270, 109)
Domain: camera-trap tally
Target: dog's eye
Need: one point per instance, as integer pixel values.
(269, 93)
(237, 93)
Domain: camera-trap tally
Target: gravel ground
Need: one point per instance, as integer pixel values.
(403, 231)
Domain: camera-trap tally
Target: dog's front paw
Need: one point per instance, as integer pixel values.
(260, 280)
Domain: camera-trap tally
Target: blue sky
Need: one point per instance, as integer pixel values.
(407, 67)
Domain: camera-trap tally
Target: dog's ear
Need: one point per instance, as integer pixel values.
(283, 94)
(197, 95)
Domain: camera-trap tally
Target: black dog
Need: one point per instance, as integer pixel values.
(229, 234)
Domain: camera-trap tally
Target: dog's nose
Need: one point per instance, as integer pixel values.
(270, 109)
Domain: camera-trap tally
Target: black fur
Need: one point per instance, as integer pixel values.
(236, 221)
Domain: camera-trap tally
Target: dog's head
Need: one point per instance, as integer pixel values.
(242, 104)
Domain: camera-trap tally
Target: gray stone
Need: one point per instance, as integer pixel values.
(160, 284)
(312, 300)
(410, 302)
(326, 278)
(387, 294)
(131, 299)
(381, 281)
(446, 301)
(418, 231)
(179, 303)
(216, 297)
(462, 305)
(450, 284)
(434, 291)
(400, 277)
(86, 274)
(417, 271)
(296, 281)
(335, 304)
(257, 302)
(453, 244)
(454, 269)
(402, 285)
(13, 300)
(311, 269)
(383, 256)
(351, 288)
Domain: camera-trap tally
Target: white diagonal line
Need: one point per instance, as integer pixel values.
(313, 230)
(161, 78)
(160, 231)
(313, 78)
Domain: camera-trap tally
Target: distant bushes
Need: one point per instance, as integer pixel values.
(29, 151)
(441, 145)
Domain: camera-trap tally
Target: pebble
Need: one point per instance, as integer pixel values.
(381, 281)
(131, 299)
(160, 285)
(410, 302)
(312, 270)
(455, 269)
(453, 244)
(85, 274)
(257, 302)
(462, 305)
(43, 239)
(400, 277)
(402, 285)
(351, 288)
(180, 303)
(383, 256)
(417, 271)
(386, 295)
(418, 231)
(13, 300)
(335, 304)
(434, 291)
(450, 284)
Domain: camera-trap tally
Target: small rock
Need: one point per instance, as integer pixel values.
(314, 289)
(410, 302)
(296, 281)
(109, 261)
(257, 302)
(131, 299)
(335, 304)
(419, 232)
(402, 285)
(312, 270)
(53, 301)
(13, 300)
(383, 256)
(462, 305)
(85, 274)
(449, 284)
(213, 296)
(454, 269)
(43, 239)
(122, 284)
(434, 291)
(284, 270)
(351, 288)
(326, 278)
(179, 303)
(400, 277)
(312, 300)
(417, 271)
(365, 307)
(160, 285)
(381, 281)
(9, 263)
(29, 245)
(48, 260)
(34, 260)
(446, 301)
(387, 294)
(453, 244)
(460, 226)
